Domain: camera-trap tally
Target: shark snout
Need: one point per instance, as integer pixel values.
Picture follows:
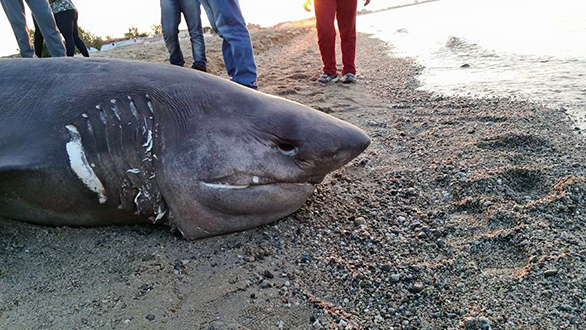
(330, 146)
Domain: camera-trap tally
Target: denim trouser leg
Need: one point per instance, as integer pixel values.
(44, 16)
(232, 28)
(14, 10)
(192, 11)
(210, 13)
(170, 20)
(228, 59)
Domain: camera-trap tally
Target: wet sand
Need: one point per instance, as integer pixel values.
(463, 214)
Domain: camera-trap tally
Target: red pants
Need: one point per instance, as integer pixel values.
(345, 12)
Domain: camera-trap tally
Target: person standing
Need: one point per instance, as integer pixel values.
(66, 16)
(41, 10)
(227, 20)
(345, 12)
(171, 11)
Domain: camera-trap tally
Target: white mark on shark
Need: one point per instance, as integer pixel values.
(136, 200)
(223, 186)
(149, 143)
(80, 165)
(160, 214)
(133, 108)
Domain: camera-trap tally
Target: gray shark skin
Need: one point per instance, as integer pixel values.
(92, 142)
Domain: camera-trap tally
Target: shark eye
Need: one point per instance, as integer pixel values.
(287, 149)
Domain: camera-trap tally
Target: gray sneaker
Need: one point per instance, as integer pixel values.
(349, 78)
(326, 78)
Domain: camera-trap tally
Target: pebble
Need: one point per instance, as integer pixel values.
(267, 274)
(395, 277)
(441, 242)
(150, 317)
(386, 268)
(359, 221)
(484, 323)
(460, 175)
(550, 272)
(342, 324)
(417, 287)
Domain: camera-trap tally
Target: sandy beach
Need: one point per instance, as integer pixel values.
(463, 214)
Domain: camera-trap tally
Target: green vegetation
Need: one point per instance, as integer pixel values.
(134, 33)
(90, 39)
(157, 30)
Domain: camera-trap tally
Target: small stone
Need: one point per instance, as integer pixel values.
(342, 324)
(487, 203)
(460, 175)
(395, 277)
(265, 284)
(252, 296)
(441, 242)
(422, 234)
(150, 317)
(249, 259)
(280, 324)
(550, 272)
(359, 221)
(386, 268)
(460, 285)
(465, 66)
(417, 287)
(470, 323)
(268, 274)
(484, 323)
(312, 319)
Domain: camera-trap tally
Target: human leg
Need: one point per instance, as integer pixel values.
(346, 14)
(325, 13)
(44, 17)
(64, 21)
(170, 19)
(232, 28)
(38, 40)
(192, 11)
(210, 13)
(78, 41)
(14, 10)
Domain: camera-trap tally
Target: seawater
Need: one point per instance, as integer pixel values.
(530, 49)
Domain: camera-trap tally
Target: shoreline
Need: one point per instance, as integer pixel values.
(462, 211)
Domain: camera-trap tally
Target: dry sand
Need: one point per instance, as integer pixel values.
(464, 213)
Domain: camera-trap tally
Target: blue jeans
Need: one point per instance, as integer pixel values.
(42, 13)
(236, 46)
(171, 18)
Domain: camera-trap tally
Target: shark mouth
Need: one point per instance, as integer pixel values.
(239, 187)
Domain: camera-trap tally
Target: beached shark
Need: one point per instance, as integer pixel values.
(91, 142)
